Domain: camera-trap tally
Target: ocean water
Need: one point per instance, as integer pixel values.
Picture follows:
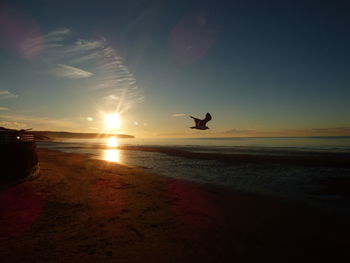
(287, 181)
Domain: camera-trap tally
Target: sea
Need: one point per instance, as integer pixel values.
(292, 182)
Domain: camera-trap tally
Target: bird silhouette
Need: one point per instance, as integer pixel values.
(201, 124)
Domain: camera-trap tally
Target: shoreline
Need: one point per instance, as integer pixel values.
(87, 210)
(321, 159)
(340, 160)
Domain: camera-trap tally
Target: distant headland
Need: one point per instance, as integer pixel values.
(51, 135)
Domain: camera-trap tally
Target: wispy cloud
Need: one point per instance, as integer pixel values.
(61, 32)
(65, 71)
(116, 81)
(66, 56)
(87, 45)
(4, 108)
(37, 43)
(179, 114)
(5, 94)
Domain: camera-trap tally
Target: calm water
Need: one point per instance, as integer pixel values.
(292, 182)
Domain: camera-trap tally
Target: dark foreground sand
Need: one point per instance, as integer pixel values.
(84, 210)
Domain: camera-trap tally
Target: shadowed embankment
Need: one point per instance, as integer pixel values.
(84, 210)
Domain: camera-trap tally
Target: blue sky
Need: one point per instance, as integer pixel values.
(260, 68)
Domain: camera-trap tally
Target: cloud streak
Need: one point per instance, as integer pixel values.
(69, 72)
(32, 46)
(5, 94)
(66, 56)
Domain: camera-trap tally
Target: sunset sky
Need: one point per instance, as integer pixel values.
(261, 68)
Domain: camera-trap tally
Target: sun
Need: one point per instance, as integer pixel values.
(112, 121)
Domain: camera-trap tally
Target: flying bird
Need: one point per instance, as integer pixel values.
(201, 124)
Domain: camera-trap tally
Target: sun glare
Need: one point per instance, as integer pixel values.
(112, 142)
(112, 121)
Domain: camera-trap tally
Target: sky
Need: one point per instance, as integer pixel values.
(261, 68)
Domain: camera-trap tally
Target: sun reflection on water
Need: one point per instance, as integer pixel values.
(112, 142)
(112, 155)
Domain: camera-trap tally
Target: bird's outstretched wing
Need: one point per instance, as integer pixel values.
(196, 121)
(207, 118)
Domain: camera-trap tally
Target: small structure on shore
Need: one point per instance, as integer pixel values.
(18, 155)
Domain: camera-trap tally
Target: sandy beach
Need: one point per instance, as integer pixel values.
(84, 210)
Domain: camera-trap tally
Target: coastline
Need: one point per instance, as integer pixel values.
(86, 210)
(330, 160)
(341, 160)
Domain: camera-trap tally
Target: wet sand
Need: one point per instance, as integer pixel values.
(85, 210)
